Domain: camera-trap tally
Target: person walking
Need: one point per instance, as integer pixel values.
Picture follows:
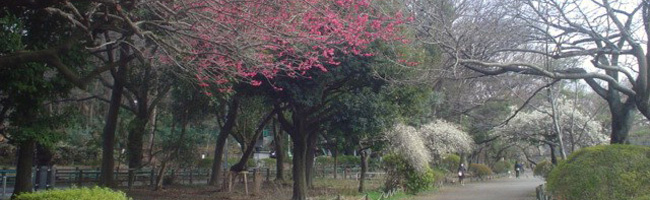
(517, 169)
(461, 173)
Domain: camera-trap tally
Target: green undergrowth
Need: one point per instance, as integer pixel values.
(602, 173)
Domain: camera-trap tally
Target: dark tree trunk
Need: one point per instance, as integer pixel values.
(299, 167)
(279, 152)
(309, 161)
(24, 167)
(364, 169)
(108, 136)
(621, 121)
(221, 141)
(553, 156)
(135, 142)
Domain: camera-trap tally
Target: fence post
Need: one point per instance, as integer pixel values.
(152, 176)
(268, 174)
(4, 184)
(80, 178)
(51, 178)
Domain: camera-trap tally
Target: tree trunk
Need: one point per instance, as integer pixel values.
(621, 121)
(108, 136)
(309, 161)
(221, 140)
(556, 122)
(299, 167)
(161, 174)
(553, 156)
(364, 169)
(135, 142)
(24, 168)
(279, 152)
(248, 152)
(336, 161)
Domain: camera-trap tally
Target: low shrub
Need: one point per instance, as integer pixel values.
(95, 193)
(268, 162)
(451, 162)
(480, 170)
(543, 168)
(439, 175)
(205, 163)
(502, 167)
(401, 173)
(603, 172)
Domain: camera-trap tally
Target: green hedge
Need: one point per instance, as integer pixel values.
(619, 172)
(401, 173)
(480, 170)
(543, 168)
(95, 193)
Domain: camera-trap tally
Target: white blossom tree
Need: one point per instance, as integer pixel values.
(420, 145)
(442, 137)
(406, 141)
(536, 128)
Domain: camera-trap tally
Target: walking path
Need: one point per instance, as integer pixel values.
(522, 188)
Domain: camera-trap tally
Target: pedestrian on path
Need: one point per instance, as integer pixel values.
(461, 173)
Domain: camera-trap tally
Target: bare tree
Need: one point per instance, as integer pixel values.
(497, 37)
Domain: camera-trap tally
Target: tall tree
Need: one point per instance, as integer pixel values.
(28, 86)
(606, 32)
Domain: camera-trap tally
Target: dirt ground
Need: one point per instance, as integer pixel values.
(324, 189)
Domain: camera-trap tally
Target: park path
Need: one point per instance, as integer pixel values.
(522, 188)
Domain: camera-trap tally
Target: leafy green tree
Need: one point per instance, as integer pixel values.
(27, 87)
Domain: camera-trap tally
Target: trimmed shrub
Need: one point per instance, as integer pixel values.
(83, 193)
(451, 162)
(502, 167)
(401, 174)
(480, 170)
(603, 172)
(543, 168)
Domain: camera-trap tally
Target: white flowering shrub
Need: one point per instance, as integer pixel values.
(407, 142)
(442, 137)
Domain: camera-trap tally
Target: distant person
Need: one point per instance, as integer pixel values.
(461, 173)
(518, 168)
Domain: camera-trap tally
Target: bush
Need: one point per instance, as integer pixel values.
(480, 170)
(502, 167)
(268, 162)
(400, 173)
(439, 175)
(543, 168)
(451, 162)
(603, 172)
(95, 193)
(348, 160)
(205, 163)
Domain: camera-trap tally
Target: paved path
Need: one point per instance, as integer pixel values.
(522, 188)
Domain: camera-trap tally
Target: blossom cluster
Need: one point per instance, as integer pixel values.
(258, 40)
(438, 138)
